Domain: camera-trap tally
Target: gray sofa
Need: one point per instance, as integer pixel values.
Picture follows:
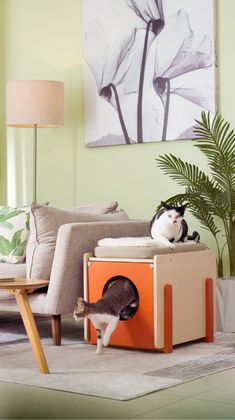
(66, 271)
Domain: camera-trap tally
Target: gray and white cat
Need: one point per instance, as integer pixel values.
(168, 226)
(119, 301)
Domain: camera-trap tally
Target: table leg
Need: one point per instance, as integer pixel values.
(31, 329)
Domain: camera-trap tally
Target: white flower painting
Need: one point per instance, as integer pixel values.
(149, 69)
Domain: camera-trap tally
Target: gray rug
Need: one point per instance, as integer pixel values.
(117, 373)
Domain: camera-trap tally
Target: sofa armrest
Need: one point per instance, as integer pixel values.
(73, 241)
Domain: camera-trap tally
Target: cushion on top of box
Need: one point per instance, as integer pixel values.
(140, 248)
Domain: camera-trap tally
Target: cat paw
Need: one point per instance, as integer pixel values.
(172, 246)
(98, 351)
(105, 342)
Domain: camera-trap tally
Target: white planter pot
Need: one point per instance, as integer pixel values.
(225, 297)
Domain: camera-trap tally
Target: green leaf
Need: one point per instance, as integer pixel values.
(183, 172)
(27, 224)
(6, 225)
(9, 212)
(4, 210)
(20, 249)
(190, 176)
(8, 215)
(16, 239)
(5, 246)
(217, 141)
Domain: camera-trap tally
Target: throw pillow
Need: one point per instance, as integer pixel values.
(102, 208)
(14, 233)
(44, 225)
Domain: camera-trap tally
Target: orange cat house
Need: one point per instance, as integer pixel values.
(176, 294)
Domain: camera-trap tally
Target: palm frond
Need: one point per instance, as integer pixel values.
(175, 200)
(190, 176)
(209, 197)
(183, 172)
(200, 210)
(217, 141)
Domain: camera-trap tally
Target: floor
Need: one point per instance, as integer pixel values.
(212, 397)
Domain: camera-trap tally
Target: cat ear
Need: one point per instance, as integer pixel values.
(165, 205)
(183, 208)
(80, 304)
(80, 299)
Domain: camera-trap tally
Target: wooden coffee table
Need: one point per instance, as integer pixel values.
(20, 287)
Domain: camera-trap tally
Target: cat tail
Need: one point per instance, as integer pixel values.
(194, 237)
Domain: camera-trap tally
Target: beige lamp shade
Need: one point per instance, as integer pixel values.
(31, 103)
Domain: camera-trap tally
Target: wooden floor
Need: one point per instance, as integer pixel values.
(212, 397)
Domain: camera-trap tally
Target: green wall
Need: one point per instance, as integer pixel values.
(42, 40)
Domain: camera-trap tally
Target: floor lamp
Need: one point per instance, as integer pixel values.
(34, 104)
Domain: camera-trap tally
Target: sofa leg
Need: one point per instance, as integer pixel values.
(56, 329)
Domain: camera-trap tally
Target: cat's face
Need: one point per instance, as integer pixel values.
(173, 215)
(80, 309)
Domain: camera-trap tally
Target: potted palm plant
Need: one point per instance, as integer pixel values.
(211, 198)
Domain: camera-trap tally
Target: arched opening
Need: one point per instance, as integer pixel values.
(129, 311)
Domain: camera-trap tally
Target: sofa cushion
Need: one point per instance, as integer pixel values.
(12, 270)
(14, 234)
(98, 208)
(44, 224)
(144, 247)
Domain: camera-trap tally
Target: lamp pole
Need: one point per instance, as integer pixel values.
(35, 163)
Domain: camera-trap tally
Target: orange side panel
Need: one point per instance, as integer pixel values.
(138, 331)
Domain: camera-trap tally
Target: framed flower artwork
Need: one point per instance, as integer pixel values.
(149, 69)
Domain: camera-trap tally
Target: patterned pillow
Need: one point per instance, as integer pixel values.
(14, 233)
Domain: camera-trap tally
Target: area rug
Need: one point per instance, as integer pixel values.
(117, 373)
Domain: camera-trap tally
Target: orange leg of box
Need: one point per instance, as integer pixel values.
(209, 311)
(168, 319)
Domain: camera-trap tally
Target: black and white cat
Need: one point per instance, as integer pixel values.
(168, 226)
(118, 302)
